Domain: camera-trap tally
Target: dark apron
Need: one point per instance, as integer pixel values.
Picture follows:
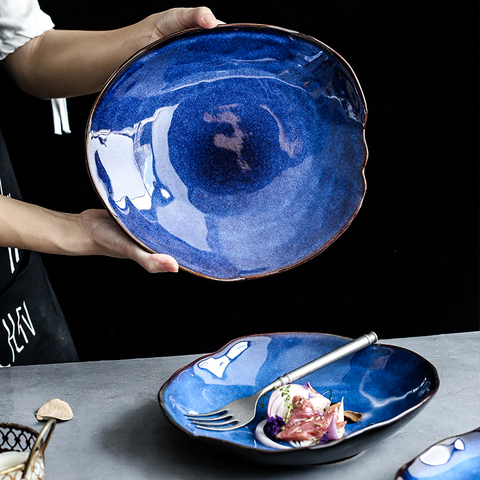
(32, 326)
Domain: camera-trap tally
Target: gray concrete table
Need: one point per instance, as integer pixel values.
(119, 432)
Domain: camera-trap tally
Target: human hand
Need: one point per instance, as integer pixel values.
(92, 232)
(176, 19)
(104, 237)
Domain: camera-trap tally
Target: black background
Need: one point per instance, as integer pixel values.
(408, 265)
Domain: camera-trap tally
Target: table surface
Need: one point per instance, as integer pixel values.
(119, 431)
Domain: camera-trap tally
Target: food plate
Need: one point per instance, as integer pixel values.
(239, 151)
(389, 384)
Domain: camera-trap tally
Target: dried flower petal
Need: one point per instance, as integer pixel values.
(273, 426)
(352, 417)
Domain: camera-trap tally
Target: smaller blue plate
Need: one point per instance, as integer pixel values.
(388, 384)
(453, 458)
(239, 150)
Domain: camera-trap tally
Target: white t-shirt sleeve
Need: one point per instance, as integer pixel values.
(20, 21)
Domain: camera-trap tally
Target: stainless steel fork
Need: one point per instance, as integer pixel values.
(242, 411)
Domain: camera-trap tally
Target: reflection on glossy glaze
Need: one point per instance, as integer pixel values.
(237, 150)
(388, 384)
(456, 457)
(217, 365)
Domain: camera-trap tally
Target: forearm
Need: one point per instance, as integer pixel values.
(63, 63)
(31, 227)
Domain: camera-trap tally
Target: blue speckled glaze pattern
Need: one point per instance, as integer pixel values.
(453, 458)
(388, 384)
(239, 151)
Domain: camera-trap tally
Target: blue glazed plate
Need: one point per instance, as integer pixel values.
(390, 385)
(239, 151)
(456, 457)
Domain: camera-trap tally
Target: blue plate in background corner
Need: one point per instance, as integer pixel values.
(239, 151)
(390, 385)
(454, 458)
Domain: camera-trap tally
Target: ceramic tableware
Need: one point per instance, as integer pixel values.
(456, 457)
(388, 384)
(239, 151)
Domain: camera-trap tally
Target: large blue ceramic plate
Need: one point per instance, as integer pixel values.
(239, 151)
(390, 385)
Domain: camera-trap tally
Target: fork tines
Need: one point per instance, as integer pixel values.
(212, 420)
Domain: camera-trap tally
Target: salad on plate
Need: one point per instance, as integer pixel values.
(299, 416)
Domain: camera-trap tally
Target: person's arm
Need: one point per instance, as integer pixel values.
(69, 63)
(64, 63)
(93, 232)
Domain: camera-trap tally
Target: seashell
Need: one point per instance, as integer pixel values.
(55, 408)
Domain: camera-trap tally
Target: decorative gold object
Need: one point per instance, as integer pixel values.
(55, 408)
(18, 438)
